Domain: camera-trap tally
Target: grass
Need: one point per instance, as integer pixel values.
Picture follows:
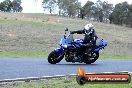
(23, 55)
(36, 35)
(65, 82)
(115, 57)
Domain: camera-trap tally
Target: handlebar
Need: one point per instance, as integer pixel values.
(75, 43)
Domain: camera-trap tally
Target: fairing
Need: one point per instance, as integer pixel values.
(101, 44)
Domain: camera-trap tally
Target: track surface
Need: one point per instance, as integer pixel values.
(20, 68)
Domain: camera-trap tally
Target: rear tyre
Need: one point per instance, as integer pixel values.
(55, 57)
(88, 62)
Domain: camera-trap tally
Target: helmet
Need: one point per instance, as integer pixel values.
(88, 26)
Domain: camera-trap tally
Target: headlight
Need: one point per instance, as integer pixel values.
(60, 42)
(65, 46)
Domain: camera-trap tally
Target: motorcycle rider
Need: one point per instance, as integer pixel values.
(90, 38)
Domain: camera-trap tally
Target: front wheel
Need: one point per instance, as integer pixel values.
(55, 57)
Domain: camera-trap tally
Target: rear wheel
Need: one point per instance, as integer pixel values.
(94, 57)
(55, 57)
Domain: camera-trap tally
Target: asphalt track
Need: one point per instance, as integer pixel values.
(19, 68)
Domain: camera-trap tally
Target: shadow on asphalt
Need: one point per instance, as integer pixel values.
(75, 64)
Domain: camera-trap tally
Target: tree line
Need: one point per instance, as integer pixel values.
(122, 14)
(98, 11)
(102, 11)
(11, 6)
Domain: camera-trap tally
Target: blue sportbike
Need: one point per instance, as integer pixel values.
(73, 50)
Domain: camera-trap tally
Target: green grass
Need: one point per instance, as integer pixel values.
(65, 82)
(23, 55)
(115, 57)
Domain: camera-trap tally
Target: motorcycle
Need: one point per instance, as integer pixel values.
(73, 50)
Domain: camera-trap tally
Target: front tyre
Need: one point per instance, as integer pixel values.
(55, 57)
